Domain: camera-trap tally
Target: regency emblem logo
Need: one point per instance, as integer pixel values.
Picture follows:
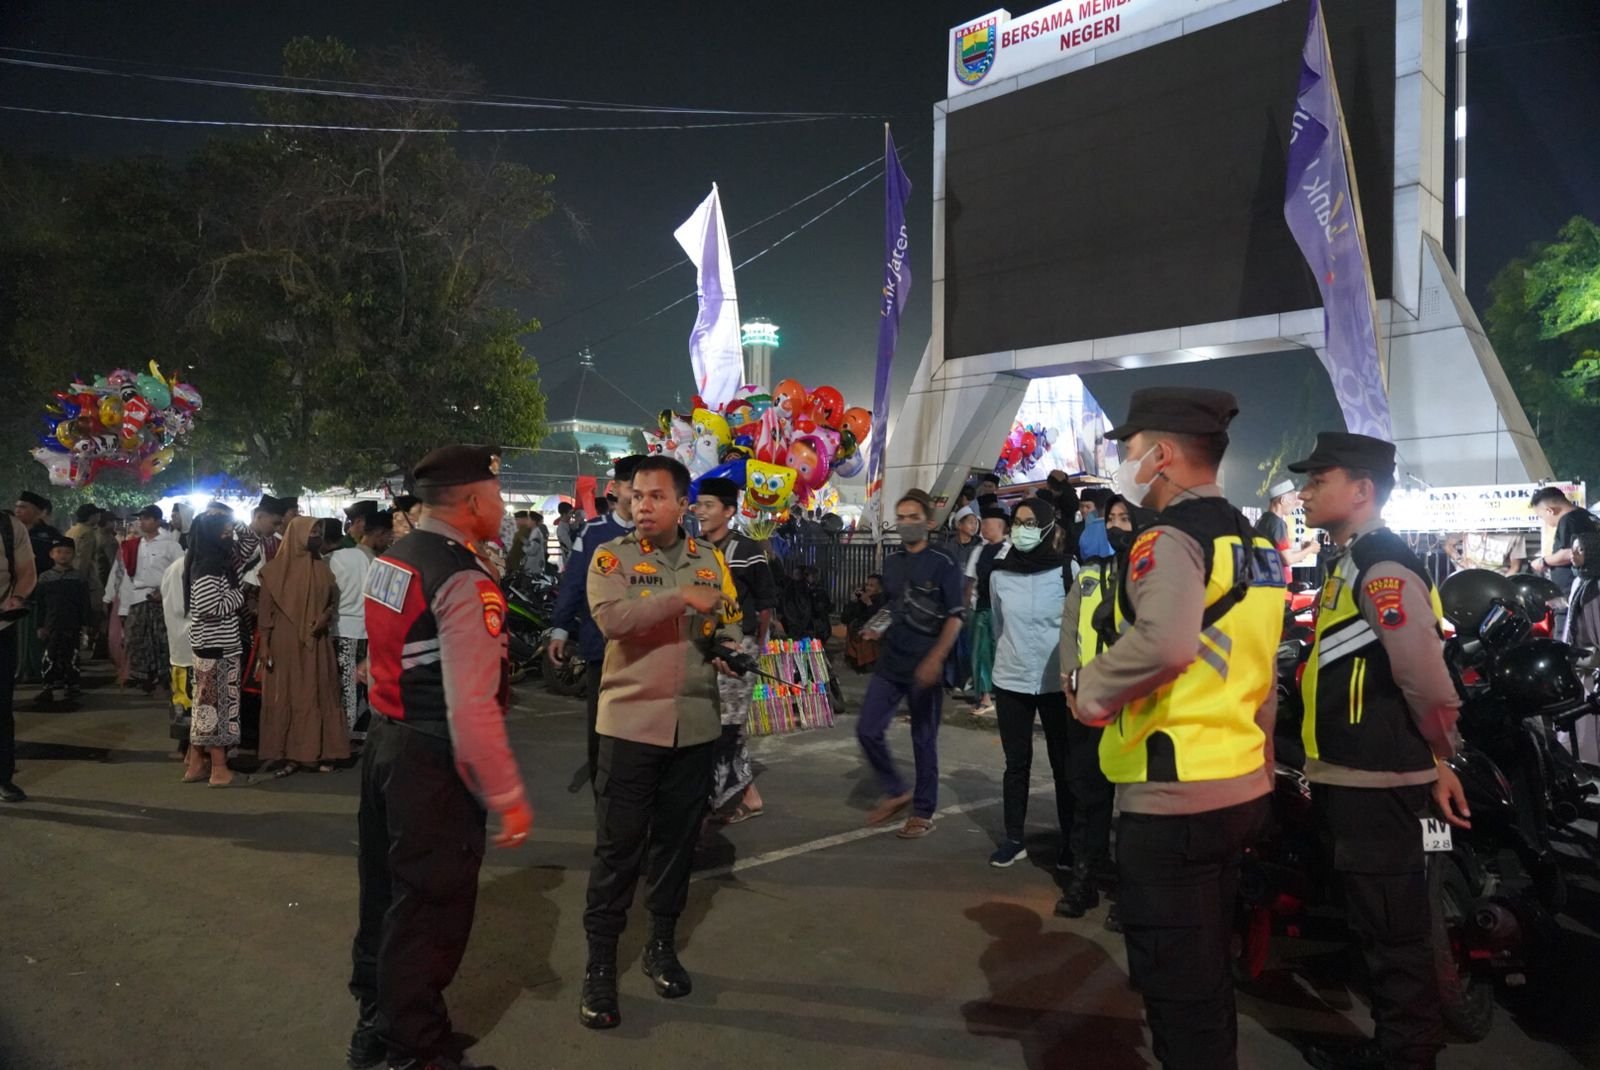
(975, 48)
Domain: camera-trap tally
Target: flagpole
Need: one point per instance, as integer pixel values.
(1355, 203)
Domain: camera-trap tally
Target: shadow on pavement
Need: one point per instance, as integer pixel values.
(513, 936)
(1034, 973)
(287, 831)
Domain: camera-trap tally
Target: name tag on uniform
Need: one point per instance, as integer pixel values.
(387, 584)
(1435, 835)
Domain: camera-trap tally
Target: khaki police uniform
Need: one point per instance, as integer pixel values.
(1187, 696)
(1380, 710)
(658, 721)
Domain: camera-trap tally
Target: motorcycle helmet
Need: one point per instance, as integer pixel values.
(1470, 595)
(1537, 596)
(1536, 677)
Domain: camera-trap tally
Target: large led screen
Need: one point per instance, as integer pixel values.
(1146, 192)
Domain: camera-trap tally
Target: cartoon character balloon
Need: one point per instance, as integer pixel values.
(790, 399)
(827, 407)
(122, 420)
(768, 487)
(710, 436)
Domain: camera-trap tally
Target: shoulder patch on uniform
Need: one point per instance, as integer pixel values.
(494, 607)
(694, 547)
(707, 574)
(645, 568)
(387, 584)
(1385, 593)
(1142, 558)
(605, 562)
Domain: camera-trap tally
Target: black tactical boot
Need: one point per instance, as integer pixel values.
(661, 963)
(366, 1050)
(599, 1009)
(1082, 895)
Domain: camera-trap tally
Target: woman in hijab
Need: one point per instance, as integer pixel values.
(212, 598)
(1025, 592)
(302, 720)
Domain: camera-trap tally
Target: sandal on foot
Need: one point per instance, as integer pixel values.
(196, 777)
(742, 813)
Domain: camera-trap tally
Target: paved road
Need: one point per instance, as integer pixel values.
(152, 924)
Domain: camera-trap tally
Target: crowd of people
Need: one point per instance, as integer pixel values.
(1137, 626)
(252, 630)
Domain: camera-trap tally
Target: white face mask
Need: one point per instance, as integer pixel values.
(1125, 480)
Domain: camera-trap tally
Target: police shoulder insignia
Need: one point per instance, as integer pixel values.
(645, 568)
(1142, 558)
(494, 608)
(605, 562)
(1385, 593)
(707, 574)
(694, 547)
(708, 629)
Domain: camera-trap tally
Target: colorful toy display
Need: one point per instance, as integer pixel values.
(125, 420)
(1023, 447)
(777, 709)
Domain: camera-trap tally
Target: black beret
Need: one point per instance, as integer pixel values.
(360, 510)
(724, 490)
(452, 466)
(622, 468)
(62, 540)
(1182, 410)
(36, 500)
(1341, 449)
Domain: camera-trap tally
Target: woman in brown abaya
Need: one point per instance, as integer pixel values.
(302, 719)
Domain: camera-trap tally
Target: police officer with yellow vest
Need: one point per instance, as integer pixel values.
(1380, 716)
(667, 606)
(1187, 697)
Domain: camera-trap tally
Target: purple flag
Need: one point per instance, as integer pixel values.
(1323, 213)
(896, 285)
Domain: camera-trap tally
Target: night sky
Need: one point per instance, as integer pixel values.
(1534, 141)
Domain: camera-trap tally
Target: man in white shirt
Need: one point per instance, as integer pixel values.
(349, 567)
(146, 630)
(180, 654)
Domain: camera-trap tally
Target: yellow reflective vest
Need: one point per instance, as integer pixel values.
(1202, 725)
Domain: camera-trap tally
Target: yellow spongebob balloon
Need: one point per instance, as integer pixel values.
(769, 487)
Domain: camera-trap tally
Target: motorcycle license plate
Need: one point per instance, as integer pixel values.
(1435, 835)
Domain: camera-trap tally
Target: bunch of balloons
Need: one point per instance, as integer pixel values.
(781, 446)
(1023, 448)
(122, 420)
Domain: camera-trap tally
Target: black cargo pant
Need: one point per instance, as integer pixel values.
(8, 720)
(1083, 795)
(421, 845)
(591, 709)
(1178, 878)
(1376, 846)
(648, 805)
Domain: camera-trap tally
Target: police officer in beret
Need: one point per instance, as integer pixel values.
(436, 761)
(1380, 721)
(1187, 698)
(667, 606)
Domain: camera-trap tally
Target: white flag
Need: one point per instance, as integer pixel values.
(714, 345)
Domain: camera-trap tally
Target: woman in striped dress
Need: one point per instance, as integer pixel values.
(214, 599)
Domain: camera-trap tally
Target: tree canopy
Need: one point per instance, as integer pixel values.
(344, 300)
(1544, 321)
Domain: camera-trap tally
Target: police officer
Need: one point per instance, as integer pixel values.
(435, 761)
(1186, 695)
(1380, 717)
(666, 604)
(571, 619)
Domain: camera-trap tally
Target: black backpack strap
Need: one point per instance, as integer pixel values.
(1241, 585)
(8, 539)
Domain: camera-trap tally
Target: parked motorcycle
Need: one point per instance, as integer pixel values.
(1496, 886)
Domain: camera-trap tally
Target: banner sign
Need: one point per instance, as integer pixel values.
(891, 301)
(1324, 216)
(1450, 510)
(996, 45)
(715, 348)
